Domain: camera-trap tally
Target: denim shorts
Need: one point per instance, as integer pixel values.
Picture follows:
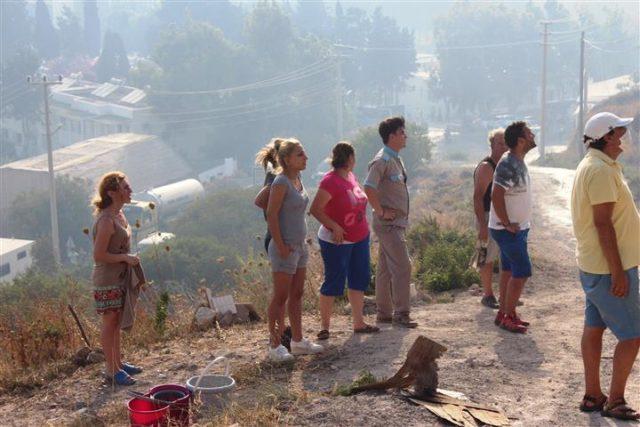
(297, 258)
(604, 310)
(514, 255)
(346, 262)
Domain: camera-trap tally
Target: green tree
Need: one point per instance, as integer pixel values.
(228, 216)
(17, 28)
(391, 59)
(188, 260)
(473, 80)
(113, 61)
(71, 36)
(29, 215)
(19, 99)
(46, 36)
(269, 33)
(91, 27)
(311, 16)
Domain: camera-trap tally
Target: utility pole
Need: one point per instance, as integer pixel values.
(53, 206)
(581, 107)
(543, 89)
(339, 100)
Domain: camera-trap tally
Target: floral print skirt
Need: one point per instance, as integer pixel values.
(108, 298)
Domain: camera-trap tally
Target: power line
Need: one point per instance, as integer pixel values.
(304, 72)
(239, 107)
(321, 89)
(6, 87)
(627, 49)
(257, 118)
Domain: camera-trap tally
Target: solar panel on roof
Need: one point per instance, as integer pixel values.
(134, 96)
(104, 90)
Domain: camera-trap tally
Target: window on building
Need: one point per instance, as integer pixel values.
(5, 269)
(22, 254)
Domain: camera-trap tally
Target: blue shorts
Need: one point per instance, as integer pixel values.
(514, 256)
(603, 310)
(348, 262)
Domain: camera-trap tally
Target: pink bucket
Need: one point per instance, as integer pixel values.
(147, 414)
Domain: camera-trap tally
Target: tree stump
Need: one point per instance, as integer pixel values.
(419, 369)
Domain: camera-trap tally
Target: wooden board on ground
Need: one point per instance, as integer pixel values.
(444, 399)
(464, 416)
(439, 411)
(491, 418)
(224, 304)
(460, 412)
(209, 297)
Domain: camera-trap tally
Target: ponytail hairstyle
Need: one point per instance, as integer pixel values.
(286, 149)
(268, 155)
(109, 182)
(340, 154)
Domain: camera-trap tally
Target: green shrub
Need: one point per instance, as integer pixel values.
(442, 256)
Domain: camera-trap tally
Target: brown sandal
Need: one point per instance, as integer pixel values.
(592, 404)
(618, 409)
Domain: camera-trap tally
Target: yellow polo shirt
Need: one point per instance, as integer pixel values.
(599, 180)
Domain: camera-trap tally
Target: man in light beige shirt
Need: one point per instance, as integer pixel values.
(386, 188)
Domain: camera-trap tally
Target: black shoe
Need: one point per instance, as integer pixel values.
(285, 339)
(490, 301)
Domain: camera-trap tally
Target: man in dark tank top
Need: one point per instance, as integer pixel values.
(487, 248)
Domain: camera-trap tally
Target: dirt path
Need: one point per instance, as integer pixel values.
(536, 378)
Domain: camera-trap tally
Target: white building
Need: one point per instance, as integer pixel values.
(15, 258)
(225, 170)
(145, 159)
(81, 110)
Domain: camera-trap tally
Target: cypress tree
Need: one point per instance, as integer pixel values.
(92, 27)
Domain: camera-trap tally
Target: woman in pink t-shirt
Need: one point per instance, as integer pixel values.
(341, 207)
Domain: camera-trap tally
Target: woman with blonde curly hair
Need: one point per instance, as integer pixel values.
(117, 274)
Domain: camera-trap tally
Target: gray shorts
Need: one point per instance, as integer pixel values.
(492, 247)
(297, 258)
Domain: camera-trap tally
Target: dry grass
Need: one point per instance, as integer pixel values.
(253, 281)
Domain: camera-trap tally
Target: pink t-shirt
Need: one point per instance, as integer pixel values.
(347, 206)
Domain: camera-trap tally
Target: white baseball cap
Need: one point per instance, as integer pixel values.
(602, 123)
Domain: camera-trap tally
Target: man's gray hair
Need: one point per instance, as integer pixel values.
(493, 133)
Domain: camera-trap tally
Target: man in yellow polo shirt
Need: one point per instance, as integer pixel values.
(606, 224)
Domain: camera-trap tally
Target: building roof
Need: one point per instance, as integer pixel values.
(86, 152)
(603, 89)
(113, 91)
(145, 159)
(10, 245)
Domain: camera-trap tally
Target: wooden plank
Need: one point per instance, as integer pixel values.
(491, 418)
(438, 411)
(458, 413)
(209, 296)
(442, 398)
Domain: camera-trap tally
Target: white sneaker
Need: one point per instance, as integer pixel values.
(305, 346)
(279, 354)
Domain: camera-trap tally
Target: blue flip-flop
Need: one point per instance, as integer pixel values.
(121, 378)
(131, 369)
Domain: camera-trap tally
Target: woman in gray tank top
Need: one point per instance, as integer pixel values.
(286, 217)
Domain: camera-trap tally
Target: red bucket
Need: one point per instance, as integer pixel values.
(145, 413)
(180, 395)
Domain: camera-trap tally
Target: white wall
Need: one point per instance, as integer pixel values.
(15, 266)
